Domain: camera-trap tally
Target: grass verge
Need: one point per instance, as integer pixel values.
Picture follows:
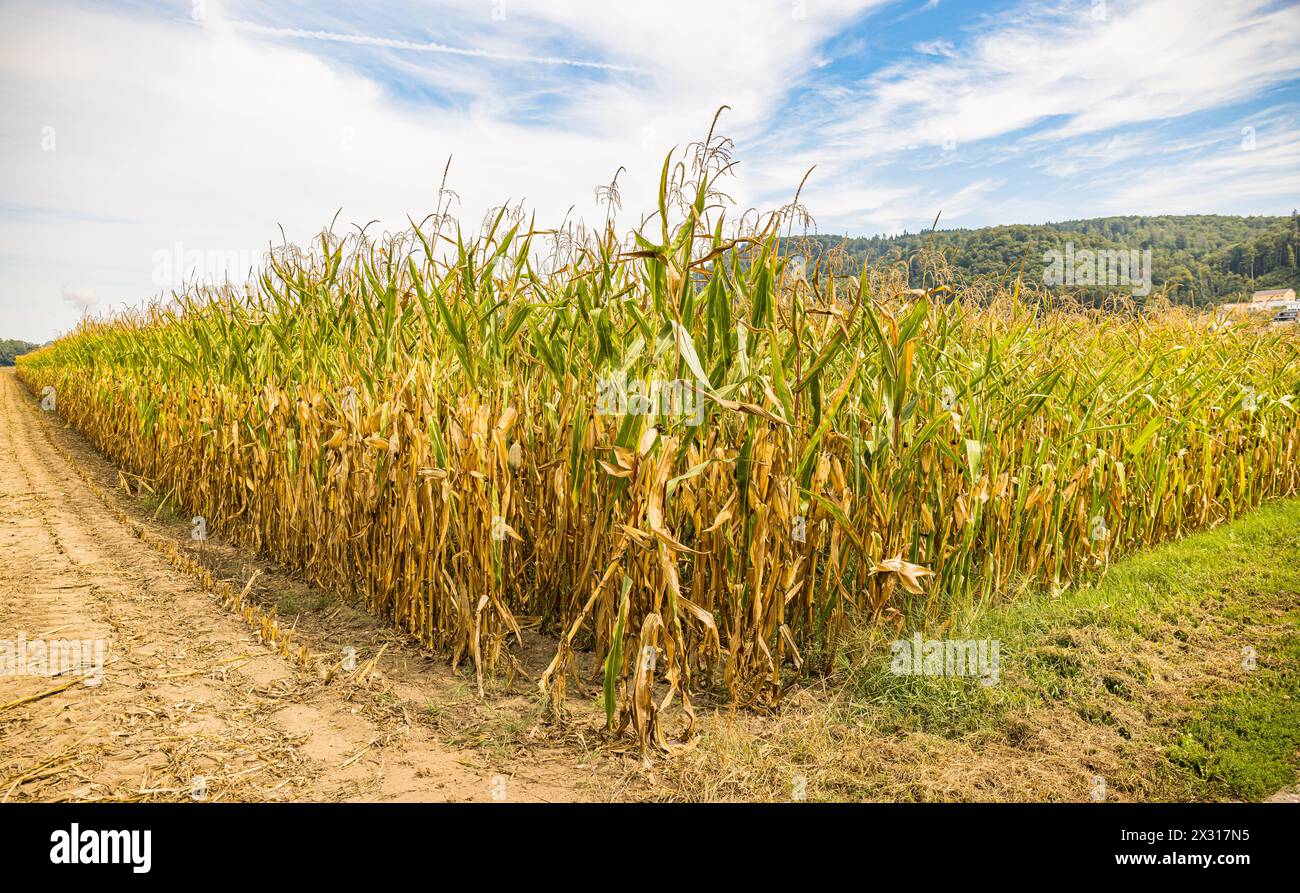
(1176, 676)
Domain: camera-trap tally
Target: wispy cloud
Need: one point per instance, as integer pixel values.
(936, 48)
(79, 298)
(1234, 169)
(417, 47)
(1062, 68)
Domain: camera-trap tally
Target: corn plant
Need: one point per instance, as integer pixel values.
(439, 425)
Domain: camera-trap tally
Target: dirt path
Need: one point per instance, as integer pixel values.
(191, 705)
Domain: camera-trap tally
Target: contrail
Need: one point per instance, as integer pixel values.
(365, 40)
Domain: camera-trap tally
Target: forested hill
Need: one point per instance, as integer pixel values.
(10, 348)
(1200, 258)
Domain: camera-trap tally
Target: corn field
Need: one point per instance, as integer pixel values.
(689, 458)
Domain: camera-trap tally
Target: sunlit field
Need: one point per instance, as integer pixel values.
(693, 459)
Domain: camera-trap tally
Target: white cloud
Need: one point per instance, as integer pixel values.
(1219, 181)
(419, 47)
(936, 48)
(209, 135)
(1146, 62)
(79, 297)
(1051, 89)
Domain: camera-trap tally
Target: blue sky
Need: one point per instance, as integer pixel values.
(138, 132)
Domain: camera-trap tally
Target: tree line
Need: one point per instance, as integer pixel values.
(1196, 259)
(10, 348)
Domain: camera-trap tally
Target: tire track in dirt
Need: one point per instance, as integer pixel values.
(189, 699)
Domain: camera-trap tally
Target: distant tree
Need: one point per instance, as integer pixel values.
(9, 349)
(1201, 258)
